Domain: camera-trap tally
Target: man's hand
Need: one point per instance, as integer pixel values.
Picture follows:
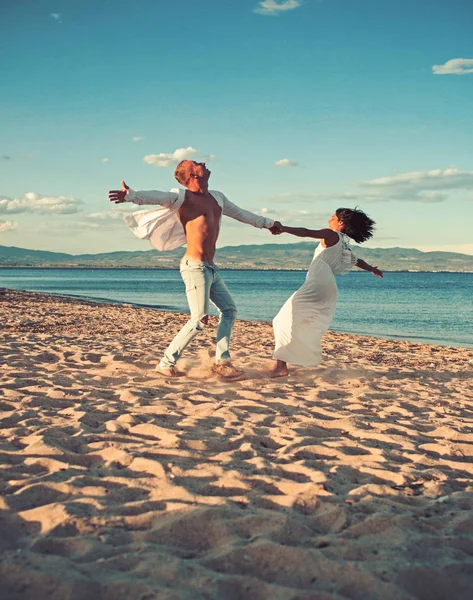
(118, 196)
(377, 272)
(277, 228)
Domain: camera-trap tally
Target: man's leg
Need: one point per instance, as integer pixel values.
(222, 299)
(198, 282)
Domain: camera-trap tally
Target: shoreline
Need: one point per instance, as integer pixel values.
(149, 268)
(352, 479)
(164, 308)
(108, 315)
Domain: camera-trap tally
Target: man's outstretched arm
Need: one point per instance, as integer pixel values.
(126, 194)
(245, 216)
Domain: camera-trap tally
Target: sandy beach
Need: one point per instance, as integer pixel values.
(349, 480)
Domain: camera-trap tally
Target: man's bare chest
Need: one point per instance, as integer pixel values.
(206, 207)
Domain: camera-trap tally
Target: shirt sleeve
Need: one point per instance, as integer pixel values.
(151, 197)
(245, 216)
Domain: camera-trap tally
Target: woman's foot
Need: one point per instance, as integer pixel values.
(279, 370)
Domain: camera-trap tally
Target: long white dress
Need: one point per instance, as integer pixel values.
(307, 314)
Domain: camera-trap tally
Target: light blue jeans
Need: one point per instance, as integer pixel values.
(203, 284)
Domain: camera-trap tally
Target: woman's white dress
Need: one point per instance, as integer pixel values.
(307, 314)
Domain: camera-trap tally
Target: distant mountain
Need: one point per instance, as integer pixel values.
(266, 256)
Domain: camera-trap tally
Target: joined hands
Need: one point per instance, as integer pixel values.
(277, 228)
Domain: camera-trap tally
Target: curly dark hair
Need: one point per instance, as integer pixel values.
(357, 224)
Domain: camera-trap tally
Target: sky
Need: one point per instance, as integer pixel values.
(297, 106)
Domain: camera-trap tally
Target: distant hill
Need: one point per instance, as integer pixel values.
(266, 256)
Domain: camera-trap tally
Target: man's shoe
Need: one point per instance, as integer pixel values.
(226, 370)
(169, 371)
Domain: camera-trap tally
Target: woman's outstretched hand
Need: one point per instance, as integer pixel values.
(277, 228)
(118, 196)
(377, 272)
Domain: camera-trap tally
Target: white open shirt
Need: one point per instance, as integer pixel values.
(162, 226)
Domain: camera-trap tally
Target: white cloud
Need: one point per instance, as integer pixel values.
(455, 66)
(56, 17)
(109, 219)
(286, 162)
(416, 181)
(105, 160)
(275, 8)
(7, 226)
(111, 215)
(167, 160)
(137, 138)
(427, 197)
(301, 217)
(36, 203)
(294, 213)
(341, 197)
(292, 216)
(418, 186)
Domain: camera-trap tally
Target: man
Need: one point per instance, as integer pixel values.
(192, 216)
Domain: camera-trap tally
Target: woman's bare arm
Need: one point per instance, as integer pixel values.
(329, 236)
(361, 264)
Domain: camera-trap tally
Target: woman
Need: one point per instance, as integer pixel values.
(307, 314)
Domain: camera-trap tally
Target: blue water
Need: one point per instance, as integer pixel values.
(428, 307)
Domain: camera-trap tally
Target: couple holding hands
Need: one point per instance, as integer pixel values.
(192, 216)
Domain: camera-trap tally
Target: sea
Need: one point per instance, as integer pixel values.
(434, 308)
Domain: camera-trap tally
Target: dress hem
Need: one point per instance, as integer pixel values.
(286, 357)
